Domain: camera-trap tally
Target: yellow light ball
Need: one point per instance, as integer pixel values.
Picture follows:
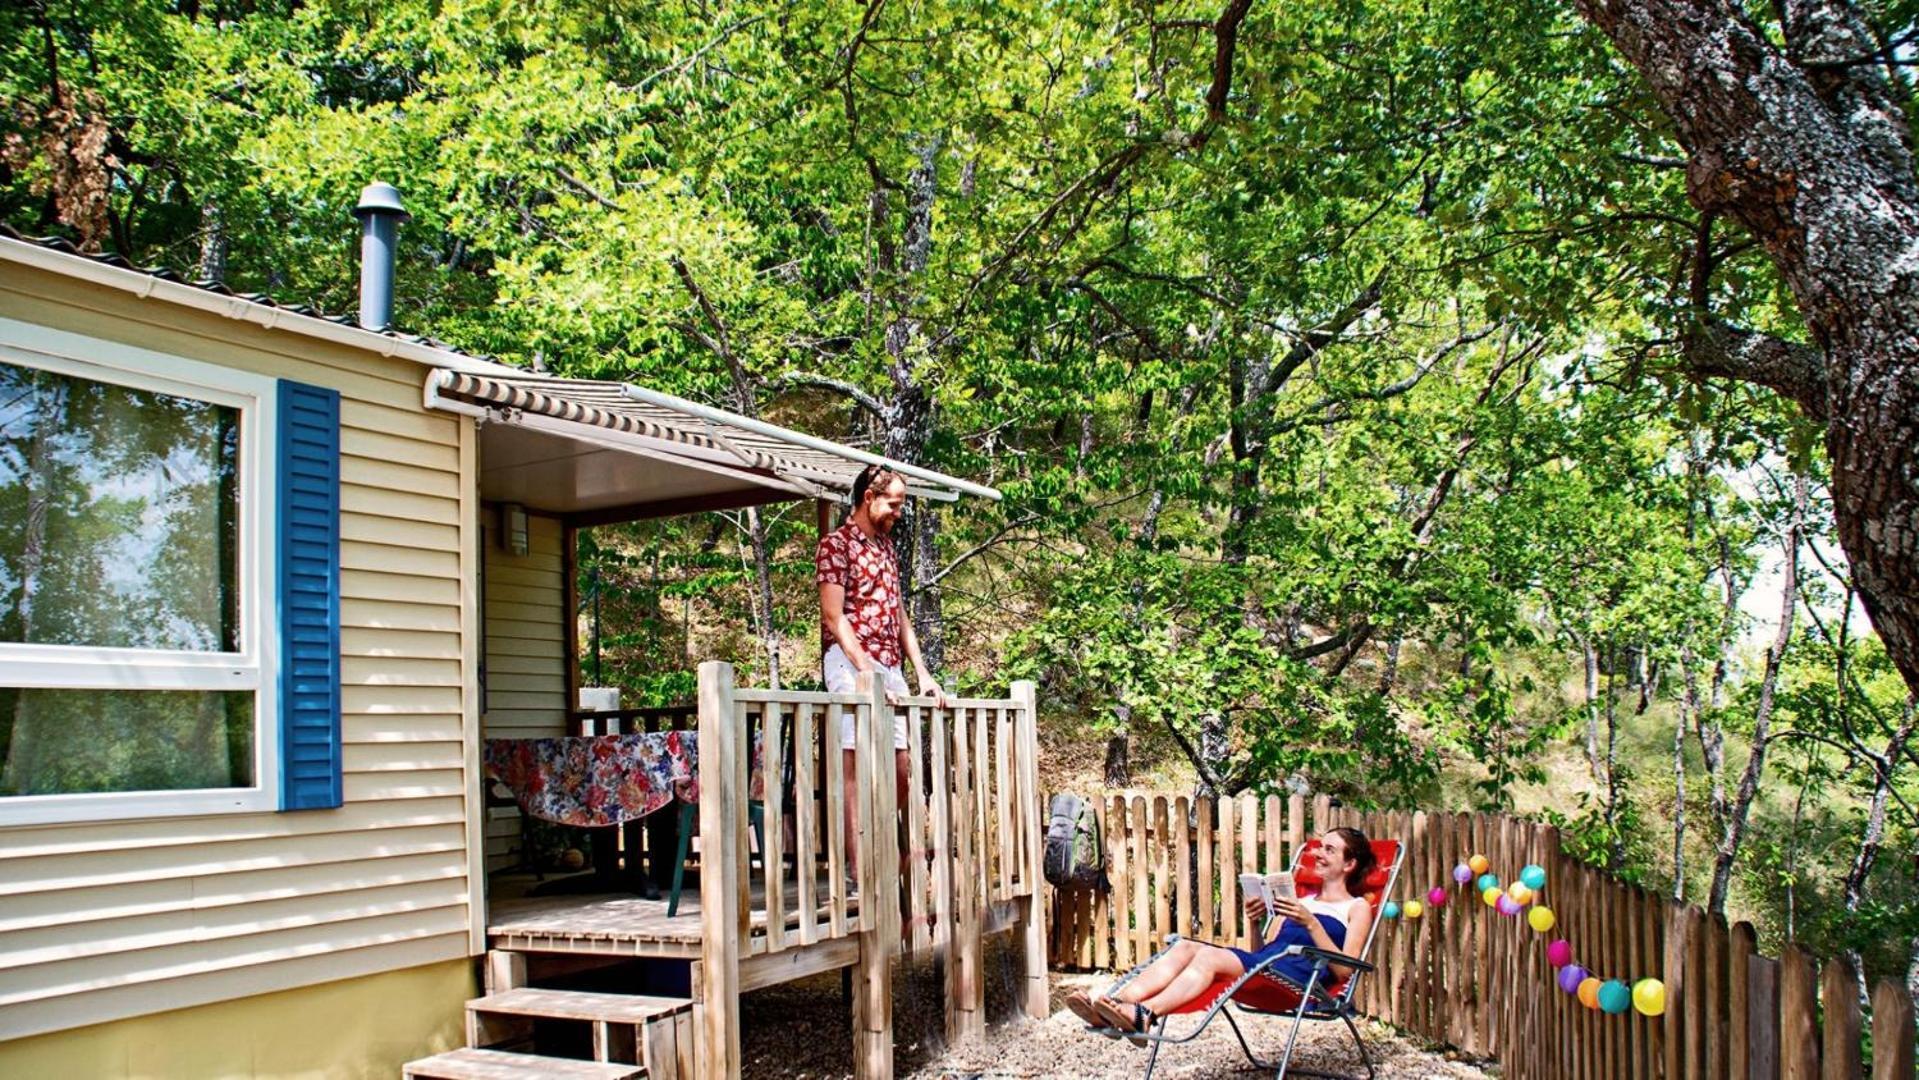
(1541, 918)
(1649, 996)
(1491, 896)
(1479, 864)
(1412, 909)
(1521, 893)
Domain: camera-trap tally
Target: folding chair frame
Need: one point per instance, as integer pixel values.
(1314, 1002)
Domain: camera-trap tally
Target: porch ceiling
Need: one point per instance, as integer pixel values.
(604, 451)
(569, 476)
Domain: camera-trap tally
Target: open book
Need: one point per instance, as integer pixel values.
(1268, 887)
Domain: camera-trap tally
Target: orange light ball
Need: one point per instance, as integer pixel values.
(1589, 992)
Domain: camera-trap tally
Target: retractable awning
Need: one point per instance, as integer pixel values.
(609, 451)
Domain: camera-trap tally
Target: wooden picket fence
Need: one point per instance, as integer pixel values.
(1469, 977)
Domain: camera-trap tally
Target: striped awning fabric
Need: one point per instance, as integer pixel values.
(804, 461)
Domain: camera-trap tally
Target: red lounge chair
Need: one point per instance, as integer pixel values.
(1326, 995)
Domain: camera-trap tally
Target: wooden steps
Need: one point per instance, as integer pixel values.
(653, 1035)
(578, 1005)
(475, 1064)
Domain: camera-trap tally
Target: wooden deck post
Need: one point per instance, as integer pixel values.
(879, 884)
(1034, 999)
(964, 947)
(722, 801)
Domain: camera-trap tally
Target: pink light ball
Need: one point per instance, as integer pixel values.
(1437, 897)
(1559, 953)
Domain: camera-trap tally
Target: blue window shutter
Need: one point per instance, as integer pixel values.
(308, 480)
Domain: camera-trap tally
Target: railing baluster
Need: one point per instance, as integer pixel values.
(916, 904)
(773, 823)
(806, 759)
(832, 723)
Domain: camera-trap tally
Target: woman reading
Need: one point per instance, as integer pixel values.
(1336, 919)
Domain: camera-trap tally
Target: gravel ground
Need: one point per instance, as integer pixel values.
(804, 1029)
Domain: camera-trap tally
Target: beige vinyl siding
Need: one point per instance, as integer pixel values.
(525, 604)
(110, 920)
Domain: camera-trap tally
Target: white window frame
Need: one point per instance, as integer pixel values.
(254, 667)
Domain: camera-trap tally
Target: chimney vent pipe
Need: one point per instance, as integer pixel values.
(380, 214)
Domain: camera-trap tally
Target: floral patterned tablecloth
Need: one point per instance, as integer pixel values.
(601, 779)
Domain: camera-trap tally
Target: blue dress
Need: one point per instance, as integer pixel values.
(1294, 969)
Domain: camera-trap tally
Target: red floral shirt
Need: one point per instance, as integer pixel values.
(868, 572)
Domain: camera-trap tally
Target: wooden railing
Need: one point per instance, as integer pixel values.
(651, 718)
(1480, 981)
(970, 822)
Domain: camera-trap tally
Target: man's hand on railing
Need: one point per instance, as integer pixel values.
(929, 688)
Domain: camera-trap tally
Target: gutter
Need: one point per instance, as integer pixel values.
(774, 431)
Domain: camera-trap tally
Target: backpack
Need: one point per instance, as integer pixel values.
(1075, 852)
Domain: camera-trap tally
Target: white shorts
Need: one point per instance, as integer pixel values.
(843, 678)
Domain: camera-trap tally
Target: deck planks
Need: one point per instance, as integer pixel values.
(626, 925)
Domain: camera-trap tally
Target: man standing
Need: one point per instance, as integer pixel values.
(863, 623)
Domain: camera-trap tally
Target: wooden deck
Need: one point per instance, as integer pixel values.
(625, 924)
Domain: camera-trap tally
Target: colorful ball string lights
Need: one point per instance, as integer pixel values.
(1611, 996)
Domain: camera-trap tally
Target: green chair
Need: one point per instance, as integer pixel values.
(689, 822)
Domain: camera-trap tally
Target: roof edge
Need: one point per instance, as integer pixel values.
(146, 286)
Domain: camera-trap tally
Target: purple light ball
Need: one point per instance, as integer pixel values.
(1570, 977)
(1507, 905)
(1462, 873)
(1559, 954)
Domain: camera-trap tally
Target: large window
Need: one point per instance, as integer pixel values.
(133, 636)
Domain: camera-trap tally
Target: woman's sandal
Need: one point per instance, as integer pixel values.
(1081, 1004)
(1134, 1026)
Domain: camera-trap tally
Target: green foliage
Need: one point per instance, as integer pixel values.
(1338, 425)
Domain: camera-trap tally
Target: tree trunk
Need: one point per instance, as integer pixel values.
(1809, 149)
(764, 611)
(909, 415)
(1679, 801)
(1615, 844)
(1874, 833)
(1591, 668)
(1119, 749)
(1215, 749)
(1732, 829)
(213, 244)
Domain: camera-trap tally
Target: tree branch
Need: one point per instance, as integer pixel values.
(721, 342)
(1110, 168)
(824, 382)
(1225, 43)
(1718, 349)
(584, 188)
(1323, 335)
(977, 549)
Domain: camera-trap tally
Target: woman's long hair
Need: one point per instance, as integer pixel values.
(1360, 850)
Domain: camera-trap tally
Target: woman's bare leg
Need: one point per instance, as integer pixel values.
(1160, 973)
(1205, 968)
